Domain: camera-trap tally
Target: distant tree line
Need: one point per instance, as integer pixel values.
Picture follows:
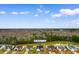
(49, 37)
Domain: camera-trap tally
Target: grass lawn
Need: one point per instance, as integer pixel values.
(2, 51)
(51, 43)
(20, 52)
(33, 51)
(10, 52)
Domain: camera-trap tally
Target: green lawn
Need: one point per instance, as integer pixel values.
(32, 51)
(20, 52)
(10, 52)
(2, 51)
(52, 43)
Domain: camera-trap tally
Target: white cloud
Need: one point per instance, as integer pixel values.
(2, 12)
(57, 15)
(39, 10)
(67, 12)
(14, 13)
(24, 13)
(47, 11)
(36, 15)
(18, 13)
(76, 11)
(42, 11)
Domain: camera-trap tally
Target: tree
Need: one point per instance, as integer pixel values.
(13, 40)
(75, 38)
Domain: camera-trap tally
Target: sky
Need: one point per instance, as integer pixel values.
(39, 15)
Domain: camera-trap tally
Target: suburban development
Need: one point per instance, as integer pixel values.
(39, 41)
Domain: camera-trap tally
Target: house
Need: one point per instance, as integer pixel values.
(18, 48)
(30, 47)
(51, 48)
(5, 47)
(61, 48)
(11, 47)
(27, 49)
(40, 47)
(72, 48)
(2, 47)
(38, 51)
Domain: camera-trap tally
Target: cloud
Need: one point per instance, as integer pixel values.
(2, 12)
(39, 10)
(18, 13)
(14, 13)
(24, 12)
(57, 15)
(36, 15)
(66, 12)
(42, 13)
(47, 11)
